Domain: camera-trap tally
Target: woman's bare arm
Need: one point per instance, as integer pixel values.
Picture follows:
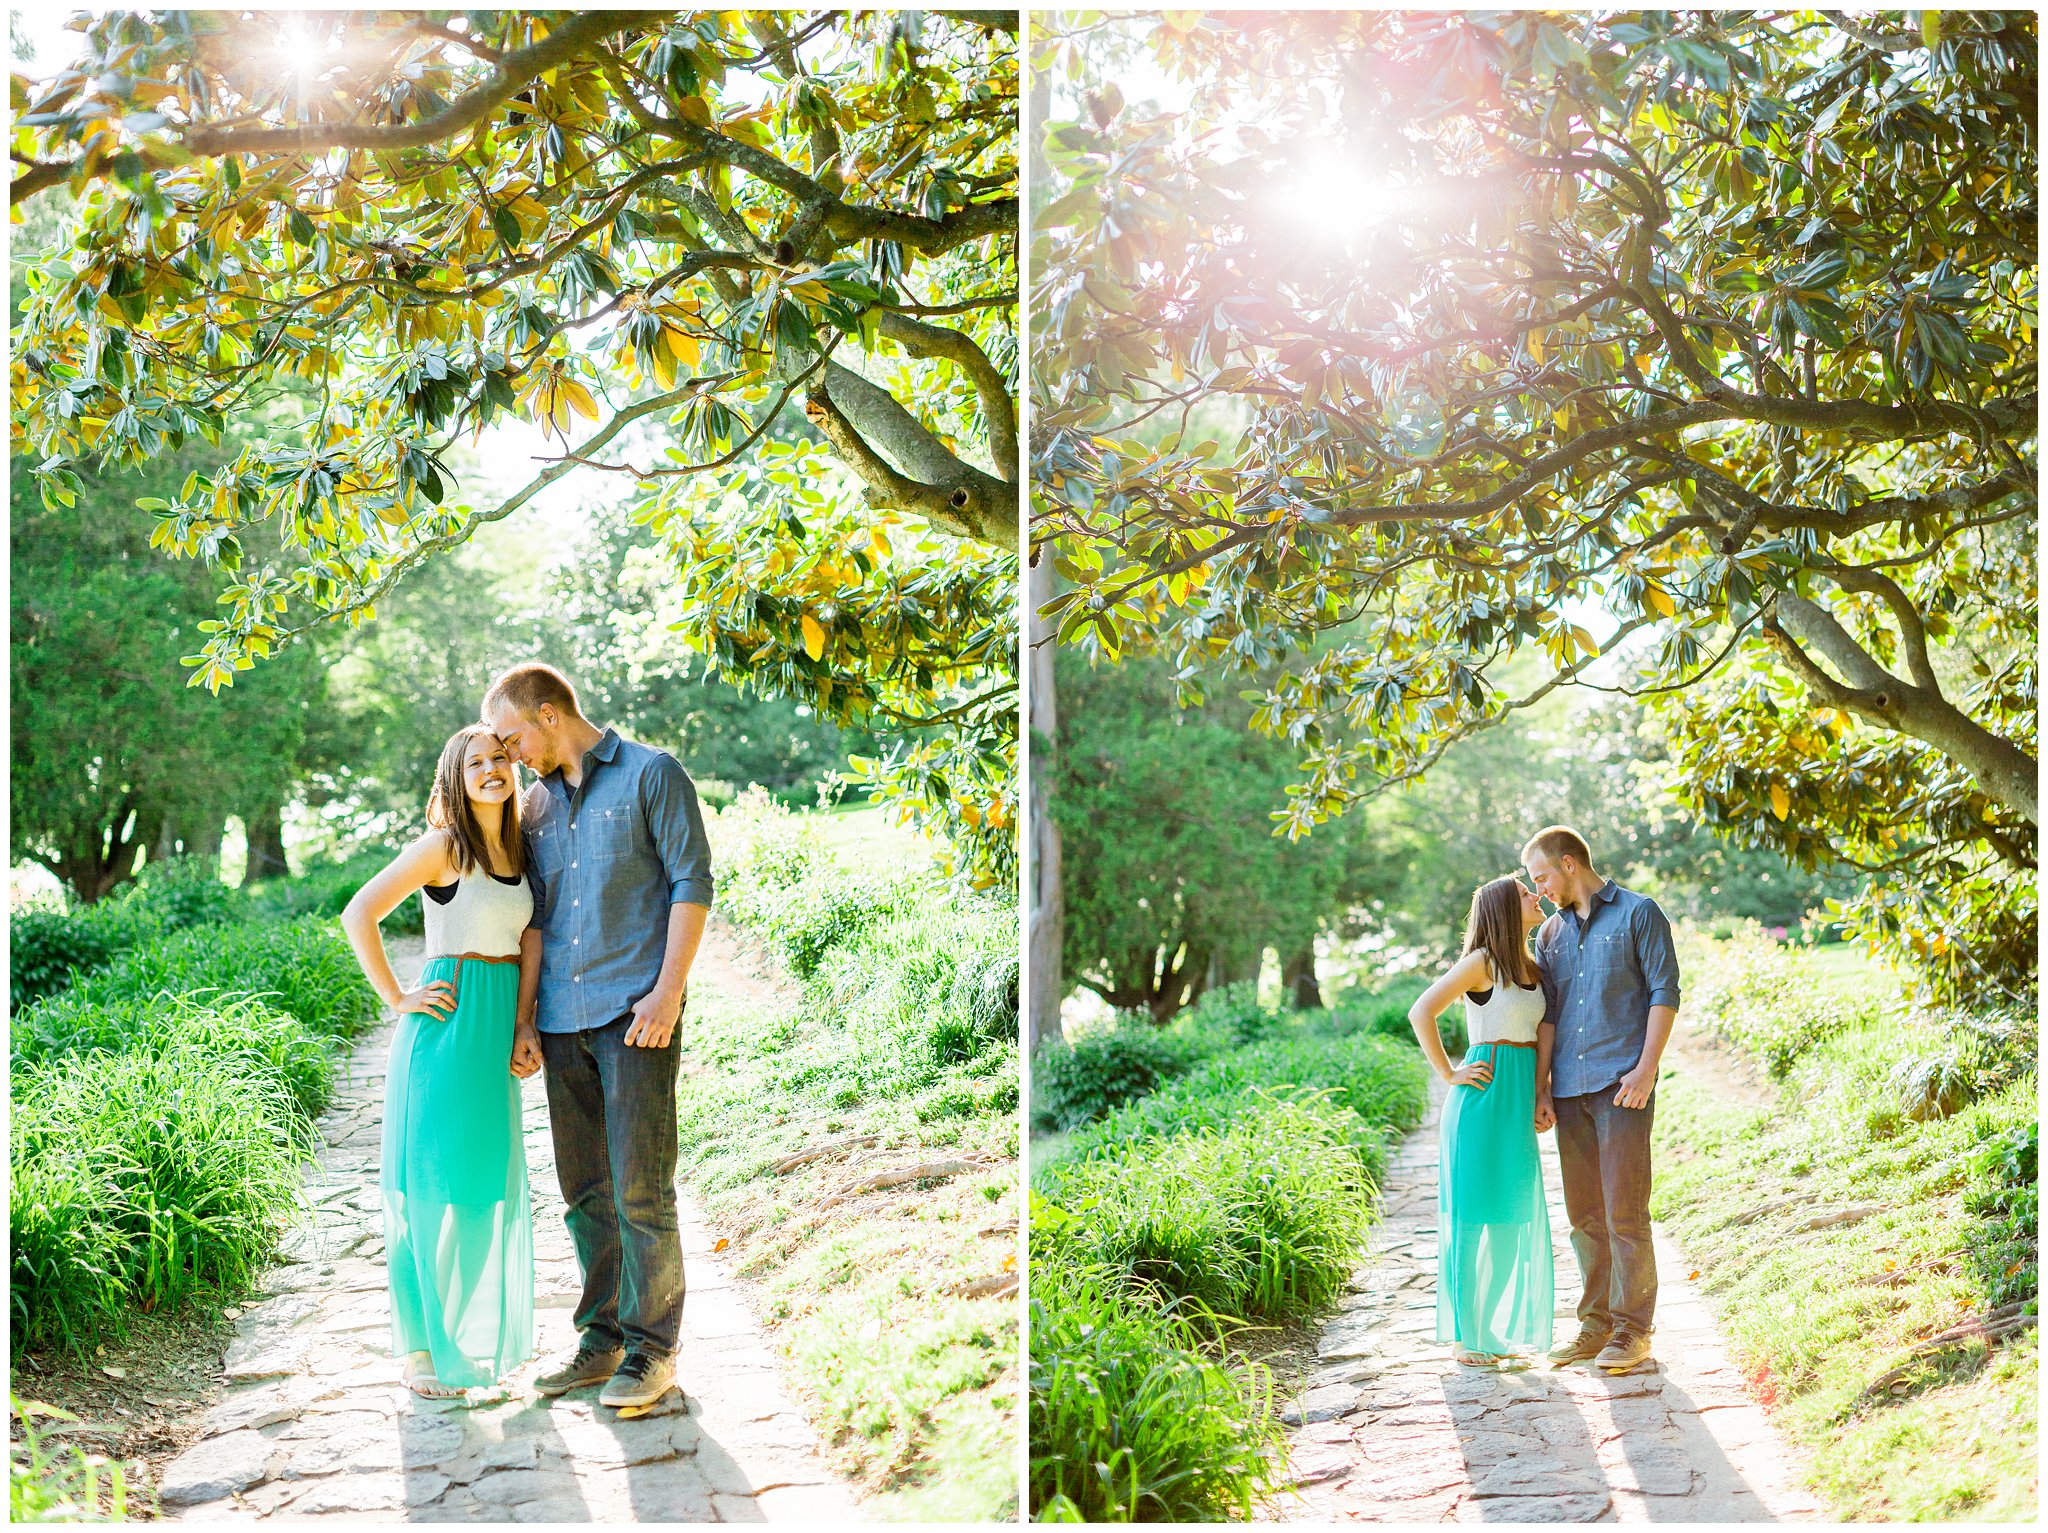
(1466, 975)
(424, 862)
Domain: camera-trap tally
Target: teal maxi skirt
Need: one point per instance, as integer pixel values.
(1494, 1285)
(458, 1230)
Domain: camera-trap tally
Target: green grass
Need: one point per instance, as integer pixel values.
(162, 1109)
(138, 1181)
(1816, 1317)
(238, 1032)
(304, 966)
(859, 832)
(51, 1481)
(1134, 1418)
(902, 1033)
(1257, 1219)
(1239, 1192)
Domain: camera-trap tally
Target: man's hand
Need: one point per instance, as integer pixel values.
(1636, 1086)
(526, 1055)
(654, 1019)
(1546, 1115)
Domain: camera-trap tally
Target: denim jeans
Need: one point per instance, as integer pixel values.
(1604, 1153)
(612, 1110)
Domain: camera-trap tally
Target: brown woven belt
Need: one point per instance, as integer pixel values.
(459, 959)
(1503, 1043)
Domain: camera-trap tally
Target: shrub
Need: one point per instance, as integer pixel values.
(2006, 1194)
(68, 1284)
(1076, 1083)
(922, 991)
(1770, 999)
(326, 888)
(1384, 1014)
(200, 1166)
(1376, 1078)
(305, 964)
(1260, 1219)
(1226, 1018)
(182, 892)
(1930, 1086)
(240, 1032)
(49, 948)
(1129, 1421)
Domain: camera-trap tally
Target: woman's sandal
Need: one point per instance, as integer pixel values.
(1464, 1359)
(419, 1378)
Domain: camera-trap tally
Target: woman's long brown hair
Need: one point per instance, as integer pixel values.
(449, 808)
(1495, 924)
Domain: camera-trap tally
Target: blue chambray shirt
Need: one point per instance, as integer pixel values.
(608, 861)
(1600, 978)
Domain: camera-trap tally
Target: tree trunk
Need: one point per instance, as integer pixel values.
(266, 845)
(97, 868)
(1046, 914)
(1235, 965)
(1298, 978)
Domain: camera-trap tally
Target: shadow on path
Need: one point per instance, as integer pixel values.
(1391, 1430)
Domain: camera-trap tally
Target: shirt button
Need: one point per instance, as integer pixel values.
(575, 942)
(575, 864)
(579, 980)
(574, 903)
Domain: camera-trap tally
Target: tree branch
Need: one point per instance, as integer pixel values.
(511, 74)
(964, 501)
(959, 348)
(1795, 625)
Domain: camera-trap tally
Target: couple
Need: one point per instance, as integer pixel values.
(1569, 1036)
(559, 934)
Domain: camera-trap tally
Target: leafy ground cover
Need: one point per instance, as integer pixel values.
(848, 1116)
(1234, 1191)
(53, 946)
(1870, 1243)
(162, 1109)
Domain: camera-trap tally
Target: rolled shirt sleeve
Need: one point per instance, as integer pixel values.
(676, 824)
(1657, 953)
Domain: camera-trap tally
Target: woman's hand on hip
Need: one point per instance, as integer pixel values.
(436, 1000)
(1474, 1073)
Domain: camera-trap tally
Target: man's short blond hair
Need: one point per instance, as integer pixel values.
(525, 688)
(1557, 842)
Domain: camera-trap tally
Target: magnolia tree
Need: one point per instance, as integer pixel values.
(761, 266)
(1690, 353)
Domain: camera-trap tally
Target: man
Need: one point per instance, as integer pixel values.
(1610, 975)
(616, 842)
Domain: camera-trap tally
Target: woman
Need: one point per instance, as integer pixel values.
(1493, 1229)
(458, 1233)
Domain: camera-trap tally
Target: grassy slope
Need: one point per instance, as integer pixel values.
(1815, 1316)
(914, 1386)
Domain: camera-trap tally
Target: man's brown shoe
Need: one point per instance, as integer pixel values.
(1625, 1353)
(591, 1365)
(1582, 1348)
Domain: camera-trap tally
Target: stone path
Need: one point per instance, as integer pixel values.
(1391, 1430)
(317, 1422)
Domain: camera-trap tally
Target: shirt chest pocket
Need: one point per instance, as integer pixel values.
(610, 834)
(547, 849)
(1612, 953)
